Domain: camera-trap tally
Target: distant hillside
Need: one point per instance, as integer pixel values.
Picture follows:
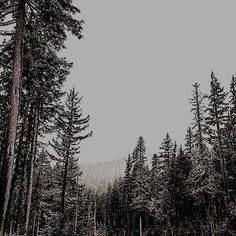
(102, 173)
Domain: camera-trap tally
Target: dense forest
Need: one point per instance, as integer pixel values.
(188, 189)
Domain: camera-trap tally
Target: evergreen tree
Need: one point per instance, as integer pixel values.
(166, 203)
(166, 151)
(216, 119)
(41, 173)
(199, 126)
(127, 191)
(229, 141)
(189, 144)
(8, 158)
(54, 20)
(69, 125)
(179, 192)
(205, 185)
(155, 186)
(140, 189)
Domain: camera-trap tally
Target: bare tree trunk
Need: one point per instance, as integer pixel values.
(19, 214)
(16, 172)
(63, 194)
(77, 203)
(8, 159)
(140, 225)
(31, 166)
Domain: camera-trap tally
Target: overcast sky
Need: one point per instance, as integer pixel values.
(136, 65)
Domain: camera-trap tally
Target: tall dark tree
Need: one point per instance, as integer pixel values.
(205, 186)
(189, 142)
(140, 188)
(216, 119)
(53, 21)
(229, 141)
(127, 191)
(70, 126)
(8, 158)
(199, 126)
(166, 203)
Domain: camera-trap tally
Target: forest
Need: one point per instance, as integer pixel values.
(187, 189)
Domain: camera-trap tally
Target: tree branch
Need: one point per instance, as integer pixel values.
(6, 33)
(10, 22)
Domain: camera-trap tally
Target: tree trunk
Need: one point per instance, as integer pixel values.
(16, 172)
(140, 225)
(77, 203)
(19, 214)
(63, 194)
(8, 159)
(31, 167)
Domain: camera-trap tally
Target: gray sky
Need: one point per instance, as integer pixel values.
(136, 65)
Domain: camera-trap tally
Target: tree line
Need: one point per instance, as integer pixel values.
(186, 190)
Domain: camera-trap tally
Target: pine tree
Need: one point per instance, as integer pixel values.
(41, 170)
(38, 96)
(179, 192)
(166, 203)
(189, 144)
(49, 213)
(229, 141)
(140, 189)
(199, 126)
(8, 158)
(166, 151)
(205, 185)
(69, 126)
(54, 20)
(216, 119)
(116, 206)
(155, 186)
(127, 191)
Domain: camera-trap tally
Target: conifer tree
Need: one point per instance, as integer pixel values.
(127, 191)
(41, 173)
(70, 126)
(205, 185)
(189, 144)
(230, 139)
(167, 162)
(55, 20)
(179, 192)
(8, 158)
(199, 126)
(140, 189)
(216, 119)
(38, 99)
(155, 186)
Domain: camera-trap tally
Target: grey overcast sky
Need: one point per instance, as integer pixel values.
(136, 65)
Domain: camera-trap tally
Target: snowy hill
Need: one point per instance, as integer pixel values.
(103, 173)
